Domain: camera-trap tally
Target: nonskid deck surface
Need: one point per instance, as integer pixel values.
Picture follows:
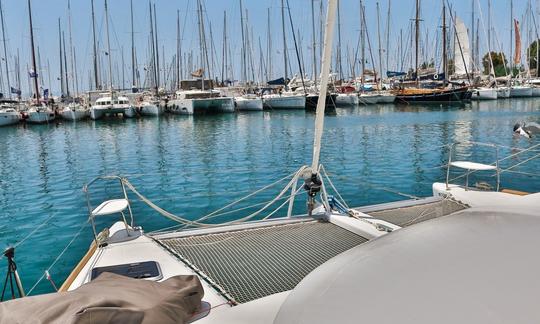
(248, 264)
(405, 215)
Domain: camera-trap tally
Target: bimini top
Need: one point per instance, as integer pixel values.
(475, 266)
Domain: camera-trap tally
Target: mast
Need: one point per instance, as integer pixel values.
(157, 50)
(296, 48)
(65, 65)
(268, 47)
(224, 49)
(325, 71)
(388, 35)
(35, 76)
(72, 53)
(362, 42)
(380, 48)
(96, 78)
(244, 72)
(5, 49)
(445, 55)
(178, 52)
(339, 41)
(133, 76)
(472, 37)
(108, 48)
(284, 41)
(313, 43)
(61, 59)
(417, 39)
(152, 50)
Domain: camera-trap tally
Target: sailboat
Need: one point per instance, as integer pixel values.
(416, 94)
(149, 103)
(38, 112)
(518, 89)
(9, 114)
(73, 109)
(111, 102)
(333, 265)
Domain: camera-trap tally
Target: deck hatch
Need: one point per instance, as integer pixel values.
(253, 263)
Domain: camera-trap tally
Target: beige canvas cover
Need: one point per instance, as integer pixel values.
(111, 298)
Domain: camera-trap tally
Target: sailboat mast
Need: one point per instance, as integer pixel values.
(65, 65)
(340, 66)
(178, 52)
(313, 43)
(445, 55)
(285, 63)
(35, 76)
(325, 71)
(157, 49)
(224, 49)
(61, 59)
(379, 81)
(96, 78)
(108, 48)
(72, 53)
(244, 72)
(133, 76)
(362, 42)
(417, 39)
(388, 35)
(5, 48)
(268, 47)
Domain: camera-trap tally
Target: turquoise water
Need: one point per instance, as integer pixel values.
(194, 165)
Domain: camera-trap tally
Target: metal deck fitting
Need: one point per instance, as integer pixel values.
(252, 263)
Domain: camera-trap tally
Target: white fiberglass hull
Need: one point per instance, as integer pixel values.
(386, 98)
(368, 99)
(484, 94)
(503, 92)
(41, 116)
(248, 104)
(9, 118)
(347, 99)
(284, 102)
(535, 92)
(74, 114)
(151, 109)
(97, 112)
(520, 91)
(196, 106)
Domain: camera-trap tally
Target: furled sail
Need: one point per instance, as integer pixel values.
(517, 53)
(462, 52)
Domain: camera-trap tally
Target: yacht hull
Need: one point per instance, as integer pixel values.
(284, 102)
(347, 99)
(503, 93)
(201, 106)
(40, 117)
(484, 94)
(73, 115)
(9, 118)
(519, 92)
(248, 104)
(151, 110)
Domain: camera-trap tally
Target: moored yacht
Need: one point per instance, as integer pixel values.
(39, 114)
(248, 102)
(9, 114)
(503, 92)
(285, 100)
(519, 91)
(74, 111)
(484, 93)
(112, 105)
(149, 106)
(196, 98)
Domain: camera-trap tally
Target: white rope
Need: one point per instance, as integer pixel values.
(34, 230)
(58, 257)
(198, 223)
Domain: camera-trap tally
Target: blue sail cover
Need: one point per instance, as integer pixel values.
(280, 81)
(393, 74)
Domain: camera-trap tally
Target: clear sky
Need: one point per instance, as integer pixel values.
(47, 12)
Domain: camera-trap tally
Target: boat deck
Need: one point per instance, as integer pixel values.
(410, 212)
(247, 264)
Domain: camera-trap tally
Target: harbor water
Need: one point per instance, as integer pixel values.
(193, 165)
